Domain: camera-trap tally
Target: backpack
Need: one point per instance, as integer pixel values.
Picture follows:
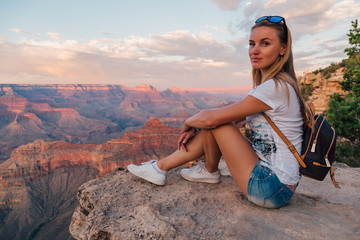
(318, 149)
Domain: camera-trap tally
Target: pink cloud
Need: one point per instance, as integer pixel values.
(20, 31)
(55, 36)
(176, 58)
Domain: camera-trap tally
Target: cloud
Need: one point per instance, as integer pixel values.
(190, 46)
(104, 33)
(271, 3)
(322, 54)
(17, 30)
(178, 44)
(3, 36)
(308, 17)
(174, 58)
(227, 4)
(20, 31)
(180, 57)
(55, 36)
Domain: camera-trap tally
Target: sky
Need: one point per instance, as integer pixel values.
(164, 43)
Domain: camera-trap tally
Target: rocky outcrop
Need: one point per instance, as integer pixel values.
(323, 88)
(122, 206)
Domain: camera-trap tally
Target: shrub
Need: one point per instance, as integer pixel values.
(344, 111)
(306, 90)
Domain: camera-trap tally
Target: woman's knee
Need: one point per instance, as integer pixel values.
(227, 132)
(226, 127)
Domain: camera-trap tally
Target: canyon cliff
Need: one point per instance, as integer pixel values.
(38, 183)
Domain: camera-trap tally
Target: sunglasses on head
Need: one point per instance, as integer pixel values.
(273, 19)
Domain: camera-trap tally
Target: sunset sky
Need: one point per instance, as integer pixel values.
(165, 43)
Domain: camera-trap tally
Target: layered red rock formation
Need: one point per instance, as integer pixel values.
(22, 121)
(42, 177)
(88, 113)
(39, 158)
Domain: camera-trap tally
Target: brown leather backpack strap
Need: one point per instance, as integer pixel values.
(287, 142)
(332, 175)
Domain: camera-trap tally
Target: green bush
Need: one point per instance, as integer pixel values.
(306, 90)
(344, 111)
(326, 72)
(348, 153)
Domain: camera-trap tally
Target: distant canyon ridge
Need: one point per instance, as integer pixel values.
(94, 113)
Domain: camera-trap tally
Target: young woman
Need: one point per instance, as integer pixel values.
(266, 171)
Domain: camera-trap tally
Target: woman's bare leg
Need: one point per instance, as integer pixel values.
(237, 152)
(202, 143)
(194, 151)
(212, 152)
(226, 140)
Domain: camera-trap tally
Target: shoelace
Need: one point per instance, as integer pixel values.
(199, 167)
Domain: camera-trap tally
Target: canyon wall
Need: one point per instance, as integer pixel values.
(91, 113)
(38, 183)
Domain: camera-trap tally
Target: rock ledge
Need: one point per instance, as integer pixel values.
(122, 206)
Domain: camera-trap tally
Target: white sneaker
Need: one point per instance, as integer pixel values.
(200, 174)
(223, 168)
(148, 172)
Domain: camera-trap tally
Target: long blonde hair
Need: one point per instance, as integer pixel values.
(282, 70)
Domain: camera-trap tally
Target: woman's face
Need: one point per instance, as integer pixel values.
(264, 48)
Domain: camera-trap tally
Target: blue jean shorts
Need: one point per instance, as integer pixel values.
(265, 189)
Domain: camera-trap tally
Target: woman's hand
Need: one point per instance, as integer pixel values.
(186, 127)
(187, 133)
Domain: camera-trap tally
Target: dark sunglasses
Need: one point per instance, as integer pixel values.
(273, 19)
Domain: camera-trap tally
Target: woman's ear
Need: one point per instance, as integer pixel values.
(283, 50)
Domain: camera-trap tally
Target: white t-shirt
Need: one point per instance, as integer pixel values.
(267, 144)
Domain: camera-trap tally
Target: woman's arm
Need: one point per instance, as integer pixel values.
(208, 119)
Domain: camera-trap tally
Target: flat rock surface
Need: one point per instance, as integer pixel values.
(122, 206)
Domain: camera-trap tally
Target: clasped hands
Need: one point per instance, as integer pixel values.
(186, 134)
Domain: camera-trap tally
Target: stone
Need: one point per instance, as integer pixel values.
(122, 206)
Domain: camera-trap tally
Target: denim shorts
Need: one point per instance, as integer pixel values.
(265, 189)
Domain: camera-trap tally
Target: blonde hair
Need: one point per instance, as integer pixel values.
(282, 70)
